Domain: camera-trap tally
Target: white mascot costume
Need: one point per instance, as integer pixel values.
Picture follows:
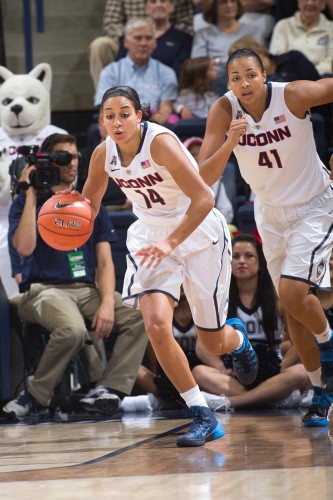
(25, 114)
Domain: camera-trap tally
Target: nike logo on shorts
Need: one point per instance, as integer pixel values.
(216, 242)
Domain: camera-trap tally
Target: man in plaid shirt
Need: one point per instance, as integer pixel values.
(104, 49)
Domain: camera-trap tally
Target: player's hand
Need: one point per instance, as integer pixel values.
(153, 254)
(236, 130)
(73, 192)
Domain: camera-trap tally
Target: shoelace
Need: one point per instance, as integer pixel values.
(321, 400)
(244, 356)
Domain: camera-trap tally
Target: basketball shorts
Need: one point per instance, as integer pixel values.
(202, 264)
(297, 239)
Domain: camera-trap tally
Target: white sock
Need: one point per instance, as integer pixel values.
(193, 397)
(315, 377)
(325, 335)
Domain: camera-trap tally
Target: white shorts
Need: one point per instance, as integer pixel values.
(202, 264)
(297, 239)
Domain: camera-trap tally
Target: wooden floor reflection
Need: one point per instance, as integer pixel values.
(267, 455)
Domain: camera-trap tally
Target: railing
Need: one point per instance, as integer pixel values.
(27, 27)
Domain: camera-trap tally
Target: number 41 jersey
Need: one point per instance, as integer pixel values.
(155, 195)
(277, 156)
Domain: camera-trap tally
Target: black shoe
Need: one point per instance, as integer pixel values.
(326, 358)
(205, 427)
(244, 360)
(320, 409)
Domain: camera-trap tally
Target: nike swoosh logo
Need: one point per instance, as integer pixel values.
(63, 205)
(216, 242)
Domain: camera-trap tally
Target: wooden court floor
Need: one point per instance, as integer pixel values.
(264, 455)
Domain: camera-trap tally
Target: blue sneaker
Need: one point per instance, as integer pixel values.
(205, 427)
(244, 360)
(326, 358)
(320, 409)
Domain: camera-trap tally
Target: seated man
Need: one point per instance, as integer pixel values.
(103, 49)
(155, 82)
(61, 289)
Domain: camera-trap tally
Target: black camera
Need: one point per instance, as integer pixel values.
(47, 173)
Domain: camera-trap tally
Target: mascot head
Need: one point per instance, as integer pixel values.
(25, 100)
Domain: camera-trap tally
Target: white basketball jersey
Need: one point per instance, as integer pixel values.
(252, 318)
(155, 195)
(277, 156)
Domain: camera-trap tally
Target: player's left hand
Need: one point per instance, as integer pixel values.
(153, 254)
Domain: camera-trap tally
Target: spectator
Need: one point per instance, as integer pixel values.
(224, 28)
(286, 8)
(308, 31)
(173, 46)
(292, 65)
(60, 299)
(155, 82)
(253, 299)
(196, 93)
(103, 50)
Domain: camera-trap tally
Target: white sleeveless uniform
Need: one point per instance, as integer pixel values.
(202, 263)
(293, 207)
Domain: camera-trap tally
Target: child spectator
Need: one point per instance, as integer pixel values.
(196, 93)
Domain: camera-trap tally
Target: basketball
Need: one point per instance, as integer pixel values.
(65, 221)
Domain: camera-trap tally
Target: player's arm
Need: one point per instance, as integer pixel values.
(166, 151)
(217, 147)
(25, 236)
(97, 180)
(105, 276)
(304, 94)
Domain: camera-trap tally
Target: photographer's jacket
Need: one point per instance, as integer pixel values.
(49, 266)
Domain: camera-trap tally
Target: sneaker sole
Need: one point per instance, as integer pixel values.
(316, 423)
(217, 433)
(11, 415)
(107, 407)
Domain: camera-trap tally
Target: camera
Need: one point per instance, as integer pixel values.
(47, 173)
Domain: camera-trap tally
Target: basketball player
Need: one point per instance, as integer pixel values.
(268, 126)
(178, 238)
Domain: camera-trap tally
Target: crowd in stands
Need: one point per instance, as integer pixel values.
(174, 54)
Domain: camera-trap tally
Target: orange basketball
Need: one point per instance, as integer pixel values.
(65, 221)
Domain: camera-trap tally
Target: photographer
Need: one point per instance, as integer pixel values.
(60, 301)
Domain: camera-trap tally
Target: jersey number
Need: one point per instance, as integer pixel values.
(266, 160)
(153, 197)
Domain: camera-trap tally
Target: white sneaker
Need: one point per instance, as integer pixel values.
(291, 401)
(217, 402)
(101, 400)
(19, 408)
